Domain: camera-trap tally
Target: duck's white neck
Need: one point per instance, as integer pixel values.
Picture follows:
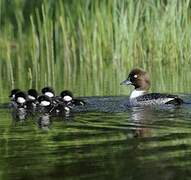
(137, 93)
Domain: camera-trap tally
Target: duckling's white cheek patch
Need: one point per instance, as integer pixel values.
(31, 97)
(49, 94)
(44, 103)
(67, 98)
(21, 100)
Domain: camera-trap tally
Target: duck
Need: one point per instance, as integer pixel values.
(32, 94)
(32, 102)
(21, 99)
(45, 104)
(68, 98)
(48, 91)
(140, 79)
(48, 106)
(20, 110)
(12, 93)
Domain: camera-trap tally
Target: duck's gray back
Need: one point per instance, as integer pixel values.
(156, 99)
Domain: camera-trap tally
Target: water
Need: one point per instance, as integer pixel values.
(104, 141)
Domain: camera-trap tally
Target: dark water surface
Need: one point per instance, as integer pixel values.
(103, 141)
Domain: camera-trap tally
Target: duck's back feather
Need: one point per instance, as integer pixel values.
(157, 99)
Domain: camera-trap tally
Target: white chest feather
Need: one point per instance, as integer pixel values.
(136, 93)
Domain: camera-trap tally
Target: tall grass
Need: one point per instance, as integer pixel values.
(90, 46)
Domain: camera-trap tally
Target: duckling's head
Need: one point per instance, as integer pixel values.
(44, 101)
(20, 97)
(48, 91)
(13, 92)
(66, 95)
(32, 94)
(139, 79)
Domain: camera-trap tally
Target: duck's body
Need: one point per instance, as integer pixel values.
(140, 96)
(32, 102)
(19, 107)
(156, 99)
(49, 106)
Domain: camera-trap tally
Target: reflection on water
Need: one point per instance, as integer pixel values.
(105, 140)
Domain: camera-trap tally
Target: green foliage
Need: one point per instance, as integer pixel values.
(90, 46)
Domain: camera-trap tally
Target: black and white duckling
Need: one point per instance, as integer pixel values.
(32, 102)
(21, 99)
(13, 103)
(32, 94)
(48, 91)
(20, 109)
(54, 109)
(45, 104)
(140, 97)
(68, 98)
(12, 94)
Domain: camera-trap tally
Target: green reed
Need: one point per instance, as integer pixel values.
(90, 46)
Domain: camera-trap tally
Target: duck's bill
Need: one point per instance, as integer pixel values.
(126, 82)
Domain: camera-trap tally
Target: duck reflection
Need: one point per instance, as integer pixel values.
(145, 118)
(44, 121)
(142, 118)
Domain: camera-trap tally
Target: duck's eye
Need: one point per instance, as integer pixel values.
(135, 76)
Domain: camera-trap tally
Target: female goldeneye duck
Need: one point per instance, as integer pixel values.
(141, 81)
(48, 91)
(68, 98)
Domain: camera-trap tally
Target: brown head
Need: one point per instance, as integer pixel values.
(138, 78)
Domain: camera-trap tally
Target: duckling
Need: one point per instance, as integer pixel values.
(68, 98)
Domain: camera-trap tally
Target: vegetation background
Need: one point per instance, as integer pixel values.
(89, 46)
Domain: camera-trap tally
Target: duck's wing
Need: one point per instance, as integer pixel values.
(158, 98)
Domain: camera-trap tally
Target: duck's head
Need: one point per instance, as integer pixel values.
(32, 94)
(139, 79)
(20, 97)
(48, 91)
(44, 101)
(13, 92)
(66, 95)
